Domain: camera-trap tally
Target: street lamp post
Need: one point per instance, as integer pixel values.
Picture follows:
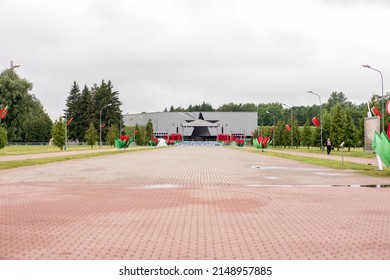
(383, 106)
(100, 124)
(273, 131)
(291, 129)
(66, 131)
(309, 91)
(11, 66)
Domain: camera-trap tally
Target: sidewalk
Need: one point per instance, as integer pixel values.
(368, 161)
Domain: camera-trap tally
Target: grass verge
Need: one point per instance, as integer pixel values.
(12, 150)
(354, 152)
(38, 161)
(369, 170)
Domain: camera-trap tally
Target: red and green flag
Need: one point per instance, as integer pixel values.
(3, 112)
(69, 121)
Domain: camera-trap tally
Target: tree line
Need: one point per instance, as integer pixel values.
(24, 117)
(342, 121)
(98, 106)
(88, 111)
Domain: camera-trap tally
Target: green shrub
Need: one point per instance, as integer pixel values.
(3, 137)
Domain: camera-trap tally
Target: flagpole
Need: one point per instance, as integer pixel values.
(66, 130)
(100, 124)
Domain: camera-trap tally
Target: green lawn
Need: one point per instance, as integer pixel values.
(31, 162)
(357, 152)
(12, 150)
(336, 164)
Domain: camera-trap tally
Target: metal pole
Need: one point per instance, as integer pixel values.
(273, 135)
(309, 91)
(383, 106)
(66, 130)
(100, 125)
(292, 143)
(100, 128)
(291, 131)
(12, 66)
(273, 132)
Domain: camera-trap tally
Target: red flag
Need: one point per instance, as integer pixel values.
(3, 112)
(102, 125)
(315, 121)
(288, 127)
(375, 111)
(69, 121)
(388, 131)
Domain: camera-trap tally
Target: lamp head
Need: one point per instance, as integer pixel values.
(366, 66)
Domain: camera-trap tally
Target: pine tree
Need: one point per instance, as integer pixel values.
(58, 133)
(104, 95)
(350, 131)
(73, 111)
(137, 137)
(316, 137)
(282, 135)
(296, 134)
(86, 112)
(3, 137)
(326, 125)
(112, 134)
(91, 135)
(337, 130)
(306, 137)
(148, 131)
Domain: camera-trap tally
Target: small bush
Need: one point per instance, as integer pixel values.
(3, 137)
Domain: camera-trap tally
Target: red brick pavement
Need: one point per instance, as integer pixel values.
(191, 203)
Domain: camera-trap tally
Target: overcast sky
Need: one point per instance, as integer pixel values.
(159, 53)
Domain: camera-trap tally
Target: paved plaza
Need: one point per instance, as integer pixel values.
(192, 203)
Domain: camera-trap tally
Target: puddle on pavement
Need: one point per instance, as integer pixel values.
(322, 186)
(363, 186)
(161, 186)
